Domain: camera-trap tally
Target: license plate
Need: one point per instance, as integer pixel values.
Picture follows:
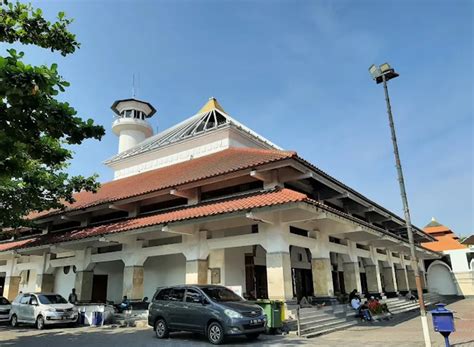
(255, 321)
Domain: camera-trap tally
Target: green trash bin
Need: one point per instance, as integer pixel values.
(272, 308)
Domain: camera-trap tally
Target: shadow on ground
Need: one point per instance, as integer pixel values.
(105, 336)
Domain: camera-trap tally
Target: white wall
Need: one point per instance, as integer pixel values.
(64, 283)
(114, 270)
(235, 266)
(166, 270)
(295, 255)
(459, 259)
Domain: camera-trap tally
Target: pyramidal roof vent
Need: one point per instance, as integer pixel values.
(210, 117)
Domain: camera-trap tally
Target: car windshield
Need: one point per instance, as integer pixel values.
(4, 301)
(220, 294)
(51, 299)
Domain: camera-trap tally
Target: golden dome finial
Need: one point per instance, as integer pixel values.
(211, 104)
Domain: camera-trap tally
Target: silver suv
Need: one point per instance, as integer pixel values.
(212, 310)
(42, 309)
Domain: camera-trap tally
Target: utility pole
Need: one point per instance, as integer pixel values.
(383, 74)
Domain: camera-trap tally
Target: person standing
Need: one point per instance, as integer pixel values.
(73, 296)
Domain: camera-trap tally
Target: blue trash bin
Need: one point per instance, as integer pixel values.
(82, 318)
(97, 318)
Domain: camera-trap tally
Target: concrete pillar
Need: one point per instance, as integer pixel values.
(45, 283)
(11, 287)
(411, 280)
(322, 277)
(374, 283)
(402, 279)
(133, 282)
(423, 279)
(280, 286)
(196, 271)
(390, 280)
(83, 285)
(352, 277)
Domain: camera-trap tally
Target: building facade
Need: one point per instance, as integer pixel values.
(211, 201)
(452, 274)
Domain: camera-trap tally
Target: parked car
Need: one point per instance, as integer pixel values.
(4, 309)
(215, 311)
(42, 309)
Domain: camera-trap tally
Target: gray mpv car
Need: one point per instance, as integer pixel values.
(207, 309)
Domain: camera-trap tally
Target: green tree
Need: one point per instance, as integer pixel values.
(36, 128)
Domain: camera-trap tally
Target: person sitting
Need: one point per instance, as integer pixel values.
(374, 306)
(124, 305)
(353, 295)
(410, 296)
(362, 309)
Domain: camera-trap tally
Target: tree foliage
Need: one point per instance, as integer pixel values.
(35, 128)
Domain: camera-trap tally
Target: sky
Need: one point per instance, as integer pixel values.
(297, 73)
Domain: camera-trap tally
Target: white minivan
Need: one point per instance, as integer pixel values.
(42, 309)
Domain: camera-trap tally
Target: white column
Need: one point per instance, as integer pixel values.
(84, 275)
(374, 283)
(197, 254)
(279, 277)
(321, 266)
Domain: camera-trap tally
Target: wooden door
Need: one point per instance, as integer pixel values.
(99, 288)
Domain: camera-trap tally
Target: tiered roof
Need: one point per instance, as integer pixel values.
(446, 238)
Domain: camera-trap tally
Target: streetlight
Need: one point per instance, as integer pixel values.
(382, 74)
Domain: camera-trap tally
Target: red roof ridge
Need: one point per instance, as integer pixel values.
(210, 168)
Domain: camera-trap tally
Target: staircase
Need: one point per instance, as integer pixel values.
(316, 321)
(400, 305)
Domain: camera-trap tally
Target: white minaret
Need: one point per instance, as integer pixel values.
(131, 125)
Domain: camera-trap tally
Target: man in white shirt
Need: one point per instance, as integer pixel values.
(355, 303)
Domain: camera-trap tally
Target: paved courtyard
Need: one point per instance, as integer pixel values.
(404, 331)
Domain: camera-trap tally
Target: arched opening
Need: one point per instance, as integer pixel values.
(440, 279)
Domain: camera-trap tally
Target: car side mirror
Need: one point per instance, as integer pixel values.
(34, 302)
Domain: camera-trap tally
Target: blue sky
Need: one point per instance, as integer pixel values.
(296, 72)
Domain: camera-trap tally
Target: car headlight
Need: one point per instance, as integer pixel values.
(232, 314)
(74, 309)
(50, 309)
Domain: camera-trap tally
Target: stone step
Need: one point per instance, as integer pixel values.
(318, 323)
(336, 327)
(321, 327)
(314, 316)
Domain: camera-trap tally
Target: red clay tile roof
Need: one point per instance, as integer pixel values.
(437, 229)
(242, 203)
(5, 246)
(445, 236)
(444, 243)
(223, 162)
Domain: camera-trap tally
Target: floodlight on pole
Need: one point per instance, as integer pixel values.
(382, 74)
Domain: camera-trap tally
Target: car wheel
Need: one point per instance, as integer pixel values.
(215, 333)
(40, 323)
(14, 321)
(161, 329)
(253, 336)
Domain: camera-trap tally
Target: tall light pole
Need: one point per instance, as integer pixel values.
(382, 74)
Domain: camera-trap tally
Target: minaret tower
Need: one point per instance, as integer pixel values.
(131, 125)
